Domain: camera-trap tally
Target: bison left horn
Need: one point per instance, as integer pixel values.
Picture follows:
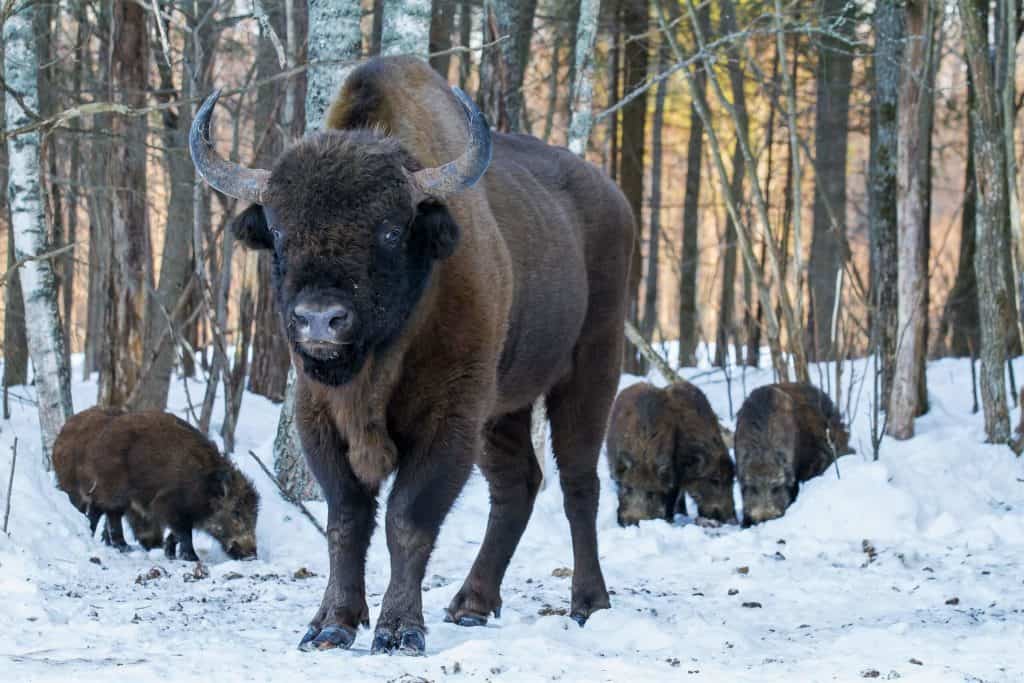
(462, 173)
(234, 180)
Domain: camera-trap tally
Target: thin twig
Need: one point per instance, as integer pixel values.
(260, 15)
(10, 483)
(287, 496)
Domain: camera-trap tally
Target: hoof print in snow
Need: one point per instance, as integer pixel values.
(743, 570)
(327, 638)
(871, 673)
(953, 601)
(153, 574)
(303, 573)
(198, 573)
(95, 560)
(752, 605)
(562, 573)
(549, 611)
(916, 662)
(733, 591)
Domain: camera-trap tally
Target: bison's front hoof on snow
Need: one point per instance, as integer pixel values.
(409, 641)
(469, 608)
(587, 601)
(327, 638)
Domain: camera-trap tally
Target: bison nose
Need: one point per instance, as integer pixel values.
(315, 322)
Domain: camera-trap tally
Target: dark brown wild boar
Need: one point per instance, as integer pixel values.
(663, 443)
(162, 473)
(785, 434)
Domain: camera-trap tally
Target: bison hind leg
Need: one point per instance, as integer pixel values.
(513, 475)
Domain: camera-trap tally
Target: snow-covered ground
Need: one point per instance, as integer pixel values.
(909, 567)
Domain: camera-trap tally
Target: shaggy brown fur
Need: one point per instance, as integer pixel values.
(785, 434)
(159, 471)
(663, 443)
(459, 314)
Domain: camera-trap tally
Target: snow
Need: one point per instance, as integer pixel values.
(909, 567)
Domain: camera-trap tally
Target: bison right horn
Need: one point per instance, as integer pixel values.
(462, 173)
(234, 180)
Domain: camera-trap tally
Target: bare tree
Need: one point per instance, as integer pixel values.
(989, 262)
(583, 82)
(688, 318)
(882, 202)
(406, 27)
(28, 223)
(831, 131)
(908, 400)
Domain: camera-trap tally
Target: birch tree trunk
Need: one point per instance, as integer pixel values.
(406, 28)
(39, 285)
(335, 40)
(882, 198)
(15, 344)
(583, 83)
(513, 21)
(989, 262)
(689, 320)
(906, 401)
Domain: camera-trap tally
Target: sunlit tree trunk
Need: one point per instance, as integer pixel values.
(406, 27)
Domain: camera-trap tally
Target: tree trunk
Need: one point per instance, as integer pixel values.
(831, 129)
(268, 375)
(689, 320)
(615, 88)
(176, 265)
(39, 285)
(634, 142)
(501, 81)
(727, 303)
(961, 312)
(882, 179)
(906, 401)
(583, 83)
(15, 339)
(131, 277)
(650, 316)
(442, 22)
(465, 38)
(406, 27)
(990, 165)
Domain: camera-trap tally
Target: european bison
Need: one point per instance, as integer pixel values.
(662, 444)
(426, 311)
(161, 473)
(785, 434)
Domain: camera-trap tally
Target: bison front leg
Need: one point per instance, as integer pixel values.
(424, 490)
(351, 510)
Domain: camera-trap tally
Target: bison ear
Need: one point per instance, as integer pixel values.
(251, 229)
(436, 229)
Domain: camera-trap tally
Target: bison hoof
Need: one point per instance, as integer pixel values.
(579, 618)
(327, 638)
(466, 619)
(410, 641)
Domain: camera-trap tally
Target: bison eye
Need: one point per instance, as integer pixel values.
(391, 237)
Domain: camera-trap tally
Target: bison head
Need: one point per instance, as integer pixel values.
(355, 225)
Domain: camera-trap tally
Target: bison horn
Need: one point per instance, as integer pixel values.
(462, 173)
(234, 180)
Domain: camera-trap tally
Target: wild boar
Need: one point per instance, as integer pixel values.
(663, 443)
(162, 473)
(785, 434)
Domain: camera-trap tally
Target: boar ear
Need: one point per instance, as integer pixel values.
(435, 229)
(251, 229)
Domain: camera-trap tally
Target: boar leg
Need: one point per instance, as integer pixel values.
(183, 533)
(510, 465)
(427, 483)
(114, 534)
(578, 410)
(171, 546)
(351, 514)
(680, 505)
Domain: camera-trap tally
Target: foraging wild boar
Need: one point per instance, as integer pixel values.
(785, 434)
(663, 443)
(161, 473)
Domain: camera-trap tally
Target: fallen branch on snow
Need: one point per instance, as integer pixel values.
(287, 496)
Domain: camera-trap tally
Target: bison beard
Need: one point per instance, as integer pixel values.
(426, 313)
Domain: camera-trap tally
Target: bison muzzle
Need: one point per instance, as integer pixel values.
(434, 280)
